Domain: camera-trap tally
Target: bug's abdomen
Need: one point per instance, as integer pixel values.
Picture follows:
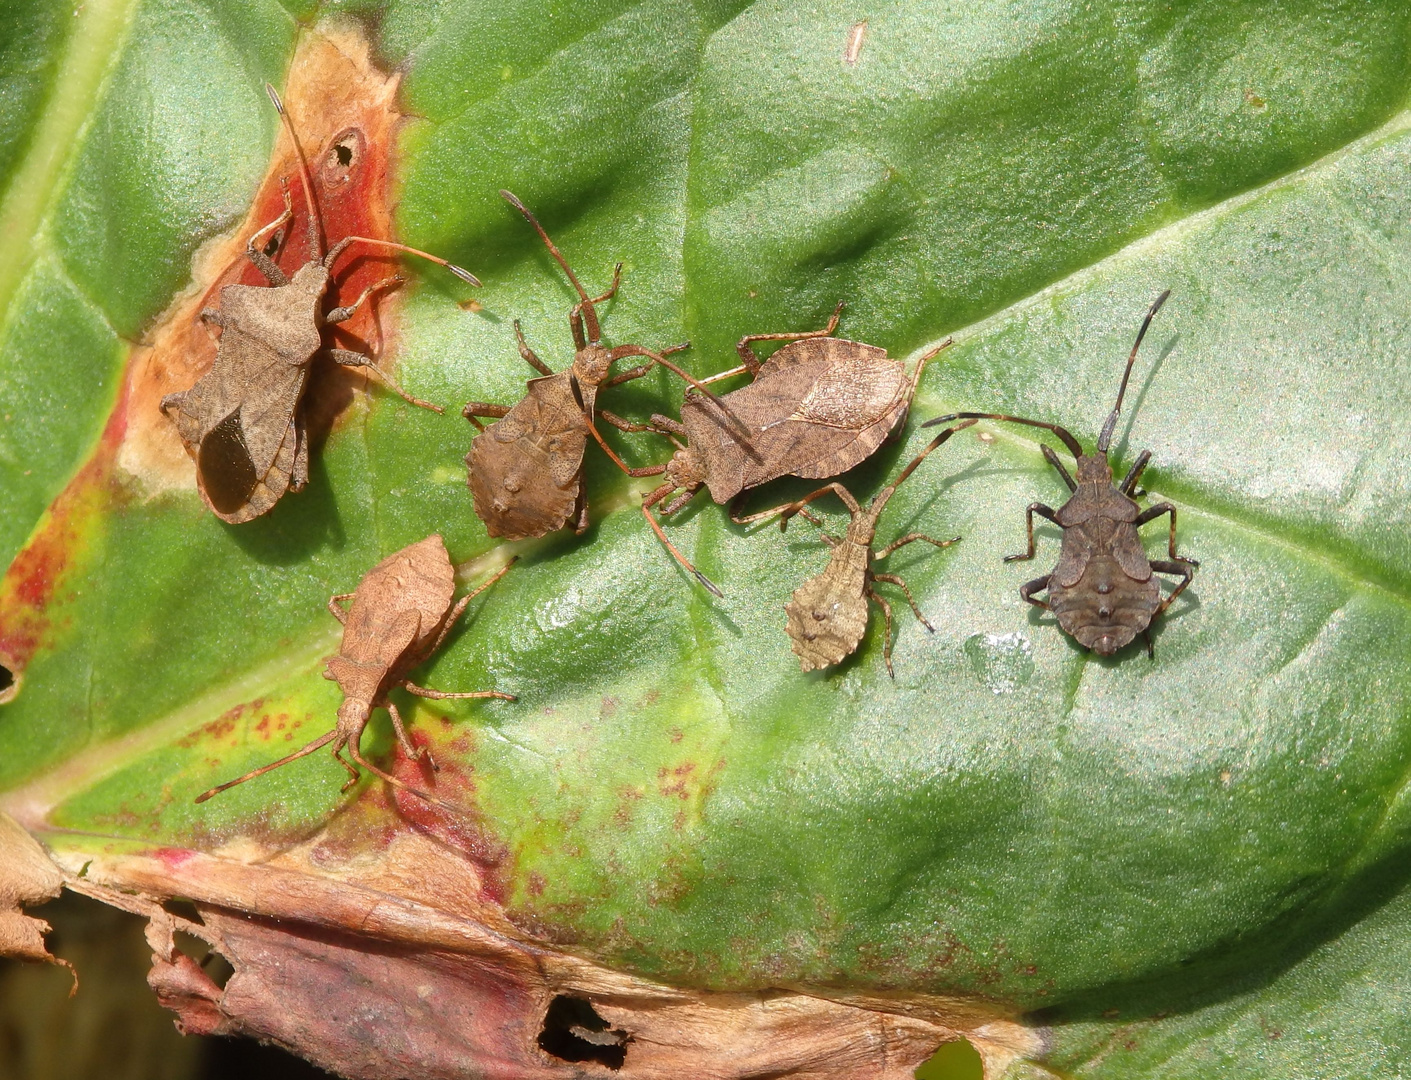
(1104, 609)
(517, 473)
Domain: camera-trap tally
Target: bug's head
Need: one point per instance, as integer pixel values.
(1094, 469)
(686, 470)
(591, 363)
(352, 717)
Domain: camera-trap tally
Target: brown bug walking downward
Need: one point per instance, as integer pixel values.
(815, 408)
(242, 422)
(1102, 589)
(827, 615)
(525, 471)
(401, 613)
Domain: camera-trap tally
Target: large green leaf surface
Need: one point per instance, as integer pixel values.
(1177, 867)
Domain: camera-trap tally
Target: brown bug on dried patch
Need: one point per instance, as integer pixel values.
(401, 613)
(242, 421)
(1102, 590)
(525, 471)
(827, 615)
(817, 407)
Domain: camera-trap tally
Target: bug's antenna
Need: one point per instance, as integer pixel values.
(1105, 438)
(315, 218)
(594, 331)
(1064, 434)
(460, 271)
(303, 751)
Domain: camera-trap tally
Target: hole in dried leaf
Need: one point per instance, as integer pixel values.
(8, 686)
(345, 155)
(183, 909)
(573, 1031)
(957, 1060)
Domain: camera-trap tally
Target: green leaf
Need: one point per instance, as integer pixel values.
(1196, 854)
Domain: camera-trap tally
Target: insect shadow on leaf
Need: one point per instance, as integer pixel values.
(814, 409)
(401, 612)
(1102, 591)
(243, 421)
(827, 615)
(525, 471)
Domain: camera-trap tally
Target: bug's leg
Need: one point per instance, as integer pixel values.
(753, 362)
(1043, 512)
(1129, 483)
(1052, 459)
(211, 317)
(482, 408)
(1150, 647)
(628, 375)
(357, 756)
(416, 753)
(459, 609)
(788, 510)
(355, 359)
(342, 314)
(575, 317)
(440, 695)
(581, 526)
(303, 751)
(1182, 567)
(647, 470)
(299, 473)
(886, 628)
(892, 579)
(528, 353)
(910, 538)
(1155, 512)
(336, 611)
(263, 263)
(625, 425)
(1027, 590)
(353, 775)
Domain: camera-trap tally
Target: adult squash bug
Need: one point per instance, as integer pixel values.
(1102, 590)
(815, 408)
(242, 421)
(525, 471)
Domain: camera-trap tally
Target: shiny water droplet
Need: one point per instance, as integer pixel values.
(1004, 662)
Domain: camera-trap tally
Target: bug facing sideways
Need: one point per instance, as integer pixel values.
(1102, 591)
(242, 421)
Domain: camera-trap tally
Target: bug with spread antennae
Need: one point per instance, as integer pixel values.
(1102, 591)
(525, 471)
(827, 615)
(815, 408)
(242, 421)
(400, 615)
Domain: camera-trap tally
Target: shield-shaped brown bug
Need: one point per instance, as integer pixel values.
(1102, 590)
(242, 421)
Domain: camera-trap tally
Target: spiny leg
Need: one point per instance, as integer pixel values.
(1043, 512)
(354, 359)
(628, 375)
(343, 314)
(416, 753)
(336, 611)
(788, 510)
(911, 538)
(459, 609)
(484, 408)
(424, 795)
(525, 351)
(1183, 568)
(886, 628)
(1155, 512)
(1027, 590)
(646, 470)
(441, 695)
(752, 362)
(263, 263)
(353, 775)
(575, 317)
(892, 579)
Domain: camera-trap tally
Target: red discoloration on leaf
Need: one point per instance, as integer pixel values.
(336, 99)
(174, 857)
(65, 537)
